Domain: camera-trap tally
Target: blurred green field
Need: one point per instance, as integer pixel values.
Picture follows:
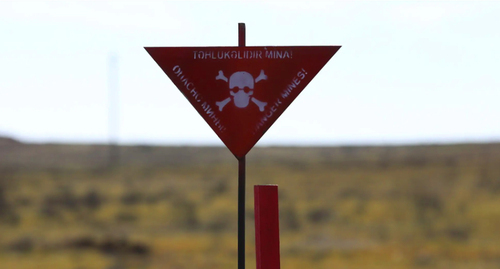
(65, 206)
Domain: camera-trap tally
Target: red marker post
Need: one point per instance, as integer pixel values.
(240, 92)
(267, 227)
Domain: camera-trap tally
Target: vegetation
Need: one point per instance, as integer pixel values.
(68, 206)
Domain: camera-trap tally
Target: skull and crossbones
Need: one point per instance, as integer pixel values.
(241, 80)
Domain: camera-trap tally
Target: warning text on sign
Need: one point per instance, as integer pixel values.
(242, 54)
(285, 94)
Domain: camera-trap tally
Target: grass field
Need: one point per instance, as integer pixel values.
(64, 206)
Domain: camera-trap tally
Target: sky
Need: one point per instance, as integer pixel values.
(408, 72)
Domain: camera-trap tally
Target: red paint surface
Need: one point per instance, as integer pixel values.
(194, 70)
(267, 237)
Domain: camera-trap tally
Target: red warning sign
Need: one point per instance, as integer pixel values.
(241, 91)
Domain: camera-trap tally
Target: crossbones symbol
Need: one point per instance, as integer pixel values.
(241, 80)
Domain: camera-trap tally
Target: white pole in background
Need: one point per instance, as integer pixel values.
(113, 110)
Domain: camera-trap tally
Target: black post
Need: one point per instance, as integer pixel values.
(241, 35)
(241, 181)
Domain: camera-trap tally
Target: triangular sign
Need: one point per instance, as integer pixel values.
(241, 91)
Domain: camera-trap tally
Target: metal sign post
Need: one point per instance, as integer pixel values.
(241, 181)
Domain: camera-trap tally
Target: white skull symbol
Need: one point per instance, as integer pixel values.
(241, 80)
